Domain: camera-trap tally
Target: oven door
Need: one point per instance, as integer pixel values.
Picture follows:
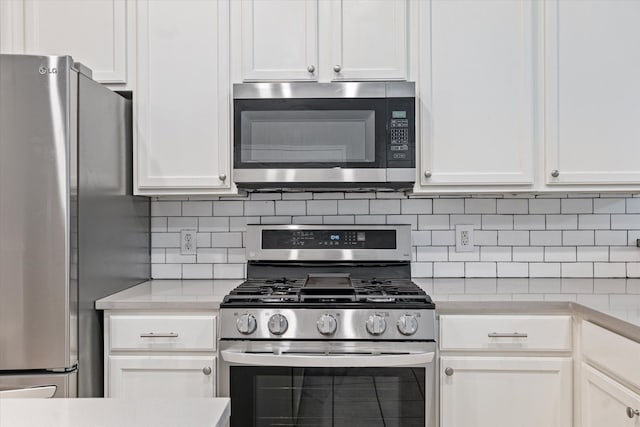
(328, 384)
(310, 140)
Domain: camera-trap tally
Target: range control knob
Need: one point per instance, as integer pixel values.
(278, 324)
(246, 324)
(376, 324)
(407, 324)
(327, 324)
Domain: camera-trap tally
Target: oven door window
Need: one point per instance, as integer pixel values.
(303, 133)
(371, 397)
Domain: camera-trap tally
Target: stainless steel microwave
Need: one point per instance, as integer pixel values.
(329, 135)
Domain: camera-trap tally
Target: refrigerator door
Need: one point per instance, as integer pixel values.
(36, 301)
(38, 385)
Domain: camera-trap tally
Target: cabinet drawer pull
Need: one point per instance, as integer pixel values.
(632, 412)
(207, 370)
(159, 335)
(507, 335)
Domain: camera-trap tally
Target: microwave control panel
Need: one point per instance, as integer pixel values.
(401, 133)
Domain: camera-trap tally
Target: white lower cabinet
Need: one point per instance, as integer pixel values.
(162, 376)
(606, 402)
(505, 391)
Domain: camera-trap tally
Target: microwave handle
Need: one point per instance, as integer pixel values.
(302, 360)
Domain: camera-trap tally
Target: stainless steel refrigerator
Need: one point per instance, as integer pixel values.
(71, 230)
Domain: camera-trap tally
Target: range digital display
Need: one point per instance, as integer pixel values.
(327, 239)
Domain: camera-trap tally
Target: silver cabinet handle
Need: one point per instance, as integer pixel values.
(632, 412)
(159, 335)
(337, 68)
(555, 173)
(507, 335)
(206, 370)
(427, 174)
(311, 69)
(448, 372)
(222, 177)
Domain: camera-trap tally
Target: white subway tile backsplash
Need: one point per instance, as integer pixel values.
(538, 236)
(322, 207)
(569, 206)
(512, 206)
(497, 222)
(384, 207)
(528, 254)
(448, 206)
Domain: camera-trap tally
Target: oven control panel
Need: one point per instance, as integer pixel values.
(313, 324)
(329, 239)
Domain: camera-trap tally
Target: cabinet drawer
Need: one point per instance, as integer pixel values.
(612, 352)
(163, 332)
(505, 333)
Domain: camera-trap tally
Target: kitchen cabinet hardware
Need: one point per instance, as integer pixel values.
(555, 173)
(427, 174)
(448, 372)
(207, 370)
(222, 177)
(159, 335)
(311, 69)
(507, 335)
(632, 412)
(337, 68)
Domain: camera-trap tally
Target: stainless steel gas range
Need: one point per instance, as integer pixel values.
(328, 330)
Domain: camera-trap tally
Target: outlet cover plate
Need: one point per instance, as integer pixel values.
(188, 242)
(464, 238)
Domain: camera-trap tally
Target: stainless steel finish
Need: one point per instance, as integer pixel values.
(222, 177)
(327, 324)
(83, 69)
(246, 324)
(427, 174)
(311, 69)
(207, 370)
(401, 253)
(303, 323)
(71, 230)
(555, 173)
(35, 213)
(407, 324)
(632, 412)
(507, 335)
(376, 325)
(324, 90)
(64, 382)
(41, 391)
(337, 68)
(401, 174)
(320, 175)
(448, 371)
(278, 324)
(159, 335)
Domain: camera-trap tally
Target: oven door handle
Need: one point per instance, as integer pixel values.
(302, 360)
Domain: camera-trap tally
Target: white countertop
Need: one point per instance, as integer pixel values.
(194, 412)
(170, 294)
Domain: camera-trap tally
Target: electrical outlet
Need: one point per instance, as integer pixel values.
(464, 238)
(187, 242)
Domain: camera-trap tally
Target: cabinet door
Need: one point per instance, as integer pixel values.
(368, 39)
(505, 392)
(279, 39)
(477, 92)
(605, 402)
(182, 138)
(593, 92)
(162, 376)
(93, 32)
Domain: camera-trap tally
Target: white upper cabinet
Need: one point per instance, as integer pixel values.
(592, 92)
(183, 99)
(93, 32)
(279, 39)
(368, 39)
(477, 94)
(297, 40)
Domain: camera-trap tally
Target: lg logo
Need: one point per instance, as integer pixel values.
(44, 70)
